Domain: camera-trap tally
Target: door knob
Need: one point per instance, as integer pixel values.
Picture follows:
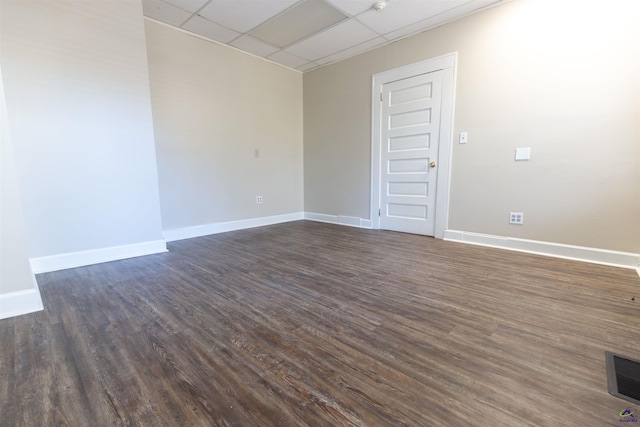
(432, 164)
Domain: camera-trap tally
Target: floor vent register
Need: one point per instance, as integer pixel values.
(623, 377)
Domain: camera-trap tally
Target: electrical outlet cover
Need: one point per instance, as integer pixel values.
(516, 218)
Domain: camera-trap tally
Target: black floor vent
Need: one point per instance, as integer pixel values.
(623, 377)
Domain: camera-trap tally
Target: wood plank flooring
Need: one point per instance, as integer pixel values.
(315, 324)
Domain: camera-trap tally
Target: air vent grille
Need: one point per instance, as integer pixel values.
(623, 377)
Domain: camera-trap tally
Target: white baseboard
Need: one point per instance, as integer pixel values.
(578, 253)
(96, 256)
(222, 227)
(351, 221)
(21, 302)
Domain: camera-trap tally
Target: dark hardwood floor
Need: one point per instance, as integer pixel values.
(315, 324)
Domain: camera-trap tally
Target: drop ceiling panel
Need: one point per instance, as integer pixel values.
(287, 59)
(307, 66)
(251, 45)
(335, 39)
(400, 13)
(211, 30)
(188, 5)
(164, 12)
(307, 41)
(243, 15)
(302, 20)
(347, 53)
(447, 16)
(353, 7)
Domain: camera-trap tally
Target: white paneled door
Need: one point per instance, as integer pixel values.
(409, 136)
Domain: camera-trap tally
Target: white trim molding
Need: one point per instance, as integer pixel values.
(223, 227)
(21, 302)
(95, 256)
(557, 250)
(351, 221)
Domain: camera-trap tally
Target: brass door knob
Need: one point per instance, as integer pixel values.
(432, 164)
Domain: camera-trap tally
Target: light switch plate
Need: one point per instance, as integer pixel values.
(463, 137)
(523, 153)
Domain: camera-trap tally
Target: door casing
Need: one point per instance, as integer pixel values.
(447, 63)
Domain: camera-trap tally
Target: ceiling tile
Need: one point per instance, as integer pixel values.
(287, 59)
(234, 22)
(307, 66)
(353, 7)
(352, 51)
(400, 13)
(257, 47)
(298, 23)
(242, 16)
(209, 29)
(164, 12)
(447, 16)
(189, 5)
(335, 39)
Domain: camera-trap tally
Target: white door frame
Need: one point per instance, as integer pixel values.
(447, 63)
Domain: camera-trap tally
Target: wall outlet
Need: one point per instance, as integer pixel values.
(516, 218)
(259, 200)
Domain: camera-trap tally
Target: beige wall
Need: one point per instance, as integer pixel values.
(79, 112)
(15, 271)
(212, 108)
(559, 77)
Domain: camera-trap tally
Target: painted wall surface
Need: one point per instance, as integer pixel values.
(15, 271)
(77, 90)
(559, 77)
(213, 107)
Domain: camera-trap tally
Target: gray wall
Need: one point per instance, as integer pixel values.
(77, 91)
(559, 77)
(213, 107)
